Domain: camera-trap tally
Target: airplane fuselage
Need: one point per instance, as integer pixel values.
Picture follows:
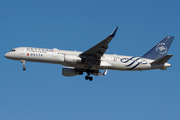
(72, 59)
(95, 59)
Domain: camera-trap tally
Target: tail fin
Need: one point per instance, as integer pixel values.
(160, 49)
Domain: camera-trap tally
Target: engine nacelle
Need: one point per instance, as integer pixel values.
(69, 72)
(71, 59)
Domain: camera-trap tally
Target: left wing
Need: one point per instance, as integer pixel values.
(93, 55)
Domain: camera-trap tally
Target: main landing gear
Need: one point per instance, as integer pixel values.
(23, 61)
(89, 77)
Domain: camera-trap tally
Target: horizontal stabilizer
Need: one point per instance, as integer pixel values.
(162, 60)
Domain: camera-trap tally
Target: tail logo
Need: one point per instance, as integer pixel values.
(161, 48)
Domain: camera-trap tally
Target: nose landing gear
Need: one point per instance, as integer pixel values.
(24, 68)
(23, 61)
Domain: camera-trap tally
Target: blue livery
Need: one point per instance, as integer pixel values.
(160, 49)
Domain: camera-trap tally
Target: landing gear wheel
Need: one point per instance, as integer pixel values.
(90, 78)
(24, 68)
(23, 61)
(87, 77)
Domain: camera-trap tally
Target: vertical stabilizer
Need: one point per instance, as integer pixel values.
(160, 49)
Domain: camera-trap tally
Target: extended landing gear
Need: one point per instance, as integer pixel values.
(24, 68)
(89, 78)
(23, 61)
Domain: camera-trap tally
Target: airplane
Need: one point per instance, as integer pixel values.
(93, 60)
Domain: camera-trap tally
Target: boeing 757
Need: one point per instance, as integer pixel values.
(93, 60)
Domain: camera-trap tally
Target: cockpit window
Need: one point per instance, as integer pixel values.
(12, 50)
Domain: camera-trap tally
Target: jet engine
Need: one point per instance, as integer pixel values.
(69, 72)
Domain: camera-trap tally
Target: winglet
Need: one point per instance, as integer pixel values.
(114, 32)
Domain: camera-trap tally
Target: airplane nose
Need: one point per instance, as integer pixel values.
(6, 55)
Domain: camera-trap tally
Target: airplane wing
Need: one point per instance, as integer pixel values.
(93, 55)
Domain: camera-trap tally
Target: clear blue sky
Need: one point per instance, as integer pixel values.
(42, 93)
